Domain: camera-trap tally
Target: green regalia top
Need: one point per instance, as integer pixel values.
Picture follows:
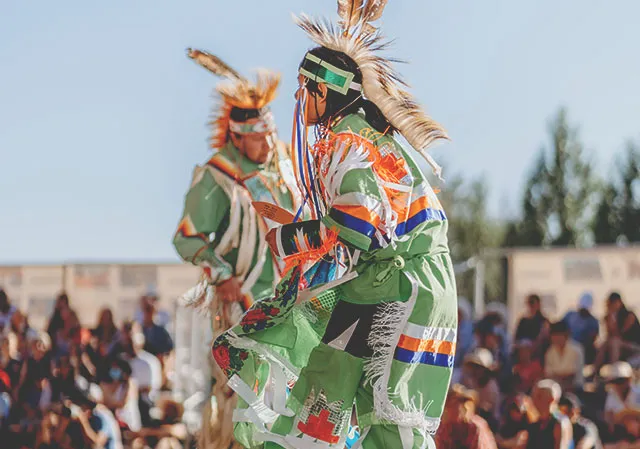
(220, 230)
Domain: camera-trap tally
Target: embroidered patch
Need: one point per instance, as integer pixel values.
(321, 419)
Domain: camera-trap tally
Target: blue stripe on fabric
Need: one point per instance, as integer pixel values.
(418, 219)
(426, 358)
(351, 222)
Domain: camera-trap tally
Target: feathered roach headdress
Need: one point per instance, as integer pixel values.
(361, 41)
(238, 92)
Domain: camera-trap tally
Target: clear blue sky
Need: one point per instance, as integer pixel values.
(102, 117)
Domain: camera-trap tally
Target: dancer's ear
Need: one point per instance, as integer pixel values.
(323, 90)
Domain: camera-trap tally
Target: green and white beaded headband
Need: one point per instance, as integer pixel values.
(335, 78)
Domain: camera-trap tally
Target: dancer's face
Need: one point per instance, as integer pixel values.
(316, 101)
(255, 146)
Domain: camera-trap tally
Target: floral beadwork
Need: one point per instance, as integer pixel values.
(265, 314)
(228, 358)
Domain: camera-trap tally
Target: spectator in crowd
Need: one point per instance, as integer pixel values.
(63, 379)
(534, 326)
(53, 433)
(496, 316)
(161, 317)
(622, 393)
(103, 337)
(548, 428)
(18, 354)
(465, 331)
(490, 337)
(5, 398)
(478, 375)
(584, 327)
(527, 370)
(120, 393)
(146, 368)
(157, 340)
(623, 333)
(56, 321)
(461, 427)
(627, 431)
(512, 432)
(585, 432)
(99, 426)
(19, 325)
(564, 360)
(36, 371)
(168, 432)
(6, 310)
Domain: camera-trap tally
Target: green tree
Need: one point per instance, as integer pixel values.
(558, 203)
(618, 210)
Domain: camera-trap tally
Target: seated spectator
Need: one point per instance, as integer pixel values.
(54, 430)
(548, 429)
(168, 432)
(68, 338)
(157, 340)
(120, 393)
(496, 316)
(478, 375)
(99, 426)
(19, 325)
(465, 331)
(5, 398)
(161, 317)
(461, 427)
(512, 431)
(584, 327)
(623, 333)
(585, 432)
(103, 337)
(534, 326)
(33, 385)
(6, 311)
(527, 370)
(627, 431)
(488, 336)
(564, 360)
(56, 321)
(63, 379)
(621, 391)
(18, 354)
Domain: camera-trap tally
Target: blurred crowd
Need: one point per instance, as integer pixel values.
(568, 384)
(70, 386)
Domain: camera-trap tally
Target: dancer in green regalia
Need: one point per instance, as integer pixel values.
(378, 335)
(221, 230)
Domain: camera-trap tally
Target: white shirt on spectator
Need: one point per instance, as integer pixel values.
(147, 371)
(615, 403)
(566, 363)
(130, 413)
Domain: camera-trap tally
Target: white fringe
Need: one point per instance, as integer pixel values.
(388, 325)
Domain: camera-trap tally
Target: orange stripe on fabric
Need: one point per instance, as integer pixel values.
(360, 212)
(436, 346)
(225, 167)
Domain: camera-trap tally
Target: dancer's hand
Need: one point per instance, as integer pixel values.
(229, 290)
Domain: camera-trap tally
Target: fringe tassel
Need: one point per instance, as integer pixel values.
(387, 327)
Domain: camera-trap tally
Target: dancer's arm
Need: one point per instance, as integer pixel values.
(205, 208)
